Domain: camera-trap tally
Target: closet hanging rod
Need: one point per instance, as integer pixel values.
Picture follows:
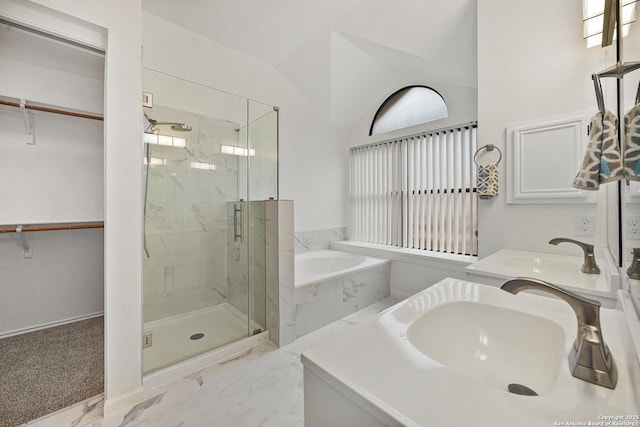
(619, 69)
(52, 110)
(52, 227)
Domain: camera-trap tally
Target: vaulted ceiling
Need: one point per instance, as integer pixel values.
(338, 53)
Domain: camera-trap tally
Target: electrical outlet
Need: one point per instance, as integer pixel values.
(585, 225)
(632, 227)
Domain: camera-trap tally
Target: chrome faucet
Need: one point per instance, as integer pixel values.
(589, 359)
(589, 266)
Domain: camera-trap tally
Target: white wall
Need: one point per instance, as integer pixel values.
(121, 19)
(533, 64)
(62, 281)
(462, 106)
(62, 172)
(313, 158)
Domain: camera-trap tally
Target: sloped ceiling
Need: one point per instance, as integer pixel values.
(342, 55)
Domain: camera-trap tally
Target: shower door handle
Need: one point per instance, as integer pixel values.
(237, 222)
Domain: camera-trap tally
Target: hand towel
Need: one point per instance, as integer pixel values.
(487, 181)
(632, 144)
(602, 162)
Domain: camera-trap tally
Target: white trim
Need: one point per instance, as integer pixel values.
(53, 22)
(520, 191)
(413, 256)
(50, 324)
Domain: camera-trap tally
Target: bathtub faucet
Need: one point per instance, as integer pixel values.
(589, 266)
(589, 359)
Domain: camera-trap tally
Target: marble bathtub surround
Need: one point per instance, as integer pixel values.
(323, 302)
(310, 241)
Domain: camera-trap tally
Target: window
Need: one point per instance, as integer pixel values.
(409, 106)
(417, 192)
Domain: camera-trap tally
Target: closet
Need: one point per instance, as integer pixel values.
(51, 223)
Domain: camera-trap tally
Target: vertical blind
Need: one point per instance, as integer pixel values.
(417, 192)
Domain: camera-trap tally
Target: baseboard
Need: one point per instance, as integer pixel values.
(50, 324)
(123, 401)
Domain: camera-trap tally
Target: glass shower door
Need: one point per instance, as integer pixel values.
(200, 254)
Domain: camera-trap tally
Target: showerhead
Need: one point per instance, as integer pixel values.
(181, 127)
(153, 125)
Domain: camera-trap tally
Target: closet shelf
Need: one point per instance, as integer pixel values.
(50, 227)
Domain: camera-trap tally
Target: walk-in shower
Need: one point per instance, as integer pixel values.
(210, 162)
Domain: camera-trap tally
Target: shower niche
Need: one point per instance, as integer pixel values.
(210, 165)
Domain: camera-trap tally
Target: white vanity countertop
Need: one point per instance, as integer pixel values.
(563, 270)
(375, 365)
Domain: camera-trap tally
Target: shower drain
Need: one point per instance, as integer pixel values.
(520, 389)
(196, 336)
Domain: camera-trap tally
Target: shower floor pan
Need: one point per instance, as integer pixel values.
(179, 337)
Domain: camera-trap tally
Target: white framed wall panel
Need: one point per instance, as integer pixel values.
(543, 158)
(632, 192)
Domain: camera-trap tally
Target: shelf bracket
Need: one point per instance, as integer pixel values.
(28, 120)
(25, 246)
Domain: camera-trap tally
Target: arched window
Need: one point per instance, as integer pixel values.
(418, 191)
(409, 106)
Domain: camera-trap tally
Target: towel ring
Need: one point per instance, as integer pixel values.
(488, 147)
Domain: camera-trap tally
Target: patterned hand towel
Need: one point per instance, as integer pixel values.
(602, 163)
(632, 144)
(487, 181)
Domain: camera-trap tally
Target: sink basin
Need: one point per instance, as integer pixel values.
(534, 266)
(492, 344)
(562, 270)
(447, 355)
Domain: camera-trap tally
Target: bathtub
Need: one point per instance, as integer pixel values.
(332, 284)
(322, 265)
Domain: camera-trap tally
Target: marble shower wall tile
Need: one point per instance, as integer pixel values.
(324, 302)
(310, 241)
(186, 213)
(286, 263)
(271, 270)
(280, 286)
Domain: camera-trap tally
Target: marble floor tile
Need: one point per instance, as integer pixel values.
(261, 388)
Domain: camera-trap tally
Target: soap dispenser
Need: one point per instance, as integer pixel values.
(634, 269)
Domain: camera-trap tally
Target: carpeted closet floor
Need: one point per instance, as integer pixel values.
(46, 370)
